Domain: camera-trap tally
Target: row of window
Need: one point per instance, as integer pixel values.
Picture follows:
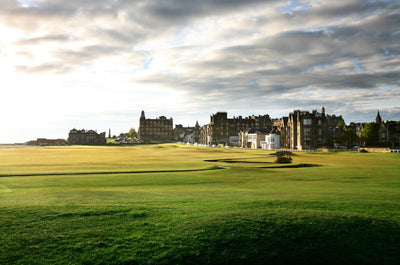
(237, 124)
(307, 131)
(158, 133)
(309, 122)
(159, 122)
(158, 126)
(156, 130)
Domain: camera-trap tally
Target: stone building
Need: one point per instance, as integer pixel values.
(309, 130)
(221, 128)
(82, 137)
(159, 129)
(357, 128)
(388, 133)
(187, 134)
(206, 135)
(281, 126)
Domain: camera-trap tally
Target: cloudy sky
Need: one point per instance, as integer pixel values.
(95, 64)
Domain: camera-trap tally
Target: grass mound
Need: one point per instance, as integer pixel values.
(283, 153)
(127, 235)
(281, 238)
(283, 159)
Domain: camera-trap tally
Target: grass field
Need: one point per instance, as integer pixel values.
(178, 204)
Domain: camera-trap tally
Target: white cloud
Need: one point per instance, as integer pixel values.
(78, 62)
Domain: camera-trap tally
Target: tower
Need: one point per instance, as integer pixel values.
(378, 118)
(142, 125)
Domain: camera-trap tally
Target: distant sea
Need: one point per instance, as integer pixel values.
(12, 145)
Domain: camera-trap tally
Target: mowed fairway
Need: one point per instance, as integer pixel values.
(178, 204)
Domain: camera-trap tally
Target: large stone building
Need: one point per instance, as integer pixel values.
(309, 130)
(159, 129)
(83, 137)
(388, 133)
(221, 128)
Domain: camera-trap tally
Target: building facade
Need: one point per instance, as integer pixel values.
(272, 141)
(252, 138)
(159, 129)
(187, 134)
(304, 130)
(221, 128)
(82, 137)
(388, 133)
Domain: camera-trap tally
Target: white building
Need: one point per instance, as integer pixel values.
(255, 139)
(272, 141)
(252, 138)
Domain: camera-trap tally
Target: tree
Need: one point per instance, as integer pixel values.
(132, 133)
(348, 137)
(370, 134)
(341, 124)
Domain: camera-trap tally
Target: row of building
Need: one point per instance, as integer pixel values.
(302, 130)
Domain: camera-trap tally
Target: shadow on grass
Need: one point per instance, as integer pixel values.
(273, 165)
(233, 161)
(293, 166)
(122, 235)
(290, 240)
(108, 172)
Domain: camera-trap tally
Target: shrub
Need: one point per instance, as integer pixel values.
(363, 151)
(283, 159)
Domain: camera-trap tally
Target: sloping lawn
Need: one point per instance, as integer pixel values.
(178, 204)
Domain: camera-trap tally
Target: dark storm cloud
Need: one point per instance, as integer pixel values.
(335, 9)
(297, 55)
(176, 10)
(301, 59)
(149, 11)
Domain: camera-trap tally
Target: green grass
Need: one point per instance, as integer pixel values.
(178, 204)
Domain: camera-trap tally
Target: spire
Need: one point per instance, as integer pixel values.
(197, 124)
(378, 118)
(323, 110)
(142, 115)
(109, 133)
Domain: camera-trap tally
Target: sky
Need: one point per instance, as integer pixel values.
(96, 64)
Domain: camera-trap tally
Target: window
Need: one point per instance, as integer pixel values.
(319, 131)
(307, 131)
(319, 122)
(307, 121)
